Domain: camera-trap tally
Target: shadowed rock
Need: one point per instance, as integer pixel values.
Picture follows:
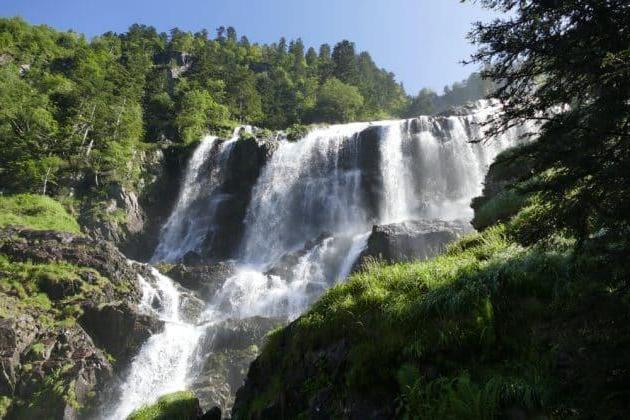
(411, 240)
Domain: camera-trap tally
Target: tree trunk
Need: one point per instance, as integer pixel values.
(88, 127)
(46, 181)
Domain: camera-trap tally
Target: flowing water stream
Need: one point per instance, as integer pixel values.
(328, 188)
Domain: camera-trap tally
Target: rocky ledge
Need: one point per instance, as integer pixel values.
(68, 320)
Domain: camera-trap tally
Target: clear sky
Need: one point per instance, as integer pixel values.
(421, 41)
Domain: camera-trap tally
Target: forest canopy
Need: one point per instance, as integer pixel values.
(72, 106)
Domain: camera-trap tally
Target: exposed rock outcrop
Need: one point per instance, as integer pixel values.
(48, 372)
(119, 328)
(498, 202)
(68, 319)
(411, 240)
(23, 245)
(245, 162)
(229, 348)
(202, 279)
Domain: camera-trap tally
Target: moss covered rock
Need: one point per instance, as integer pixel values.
(182, 405)
(68, 318)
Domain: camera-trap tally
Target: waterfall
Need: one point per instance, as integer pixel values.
(162, 364)
(308, 187)
(193, 217)
(309, 217)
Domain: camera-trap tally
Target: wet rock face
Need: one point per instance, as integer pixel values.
(411, 240)
(54, 345)
(228, 348)
(119, 328)
(369, 161)
(286, 264)
(244, 165)
(205, 280)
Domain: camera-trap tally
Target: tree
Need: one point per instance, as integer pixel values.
(545, 55)
(311, 58)
(422, 104)
(337, 102)
(231, 34)
(326, 66)
(345, 62)
(198, 113)
(28, 132)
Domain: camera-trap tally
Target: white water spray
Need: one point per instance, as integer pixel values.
(162, 365)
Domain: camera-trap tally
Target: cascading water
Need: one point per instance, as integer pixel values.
(193, 217)
(310, 214)
(162, 364)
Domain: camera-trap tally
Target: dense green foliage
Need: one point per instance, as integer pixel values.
(181, 405)
(77, 115)
(35, 212)
(566, 63)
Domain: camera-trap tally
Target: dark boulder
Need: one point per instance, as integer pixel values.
(206, 280)
(411, 240)
(213, 414)
(119, 328)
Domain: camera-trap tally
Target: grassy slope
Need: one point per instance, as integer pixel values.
(36, 212)
(490, 326)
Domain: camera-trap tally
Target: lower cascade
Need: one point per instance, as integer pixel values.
(309, 217)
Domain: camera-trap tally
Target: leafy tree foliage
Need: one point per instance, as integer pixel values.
(75, 114)
(77, 110)
(427, 102)
(566, 63)
(337, 102)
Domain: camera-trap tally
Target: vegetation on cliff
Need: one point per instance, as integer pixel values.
(489, 327)
(50, 279)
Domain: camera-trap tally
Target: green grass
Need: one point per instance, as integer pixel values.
(182, 405)
(499, 209)
(36, 212)
(485, 316)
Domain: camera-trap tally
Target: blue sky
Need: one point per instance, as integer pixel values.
(421, 41)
